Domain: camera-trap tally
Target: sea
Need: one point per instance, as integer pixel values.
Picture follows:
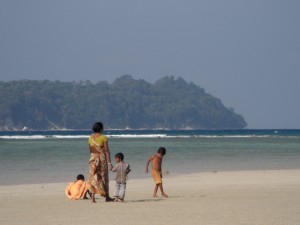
(28, 157)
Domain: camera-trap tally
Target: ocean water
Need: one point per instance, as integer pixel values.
(58, 156)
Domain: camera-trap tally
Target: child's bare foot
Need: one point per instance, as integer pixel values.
(155, 196)
(117, 199)
(165, 196)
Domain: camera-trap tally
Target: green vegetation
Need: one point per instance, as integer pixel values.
(126, 103)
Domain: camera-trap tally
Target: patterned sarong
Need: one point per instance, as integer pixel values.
(98, 175)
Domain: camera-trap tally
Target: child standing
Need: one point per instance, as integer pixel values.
(122, 169)
(156, 170)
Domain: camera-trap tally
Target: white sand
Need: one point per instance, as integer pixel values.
(223, 198)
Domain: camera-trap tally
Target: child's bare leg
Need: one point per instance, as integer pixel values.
(162, 191)
(84, 197)
(85, 194)
(155, 191)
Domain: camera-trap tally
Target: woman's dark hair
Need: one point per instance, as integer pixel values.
(80, 177)
(120, 156)
(162, 150)
(98, 127)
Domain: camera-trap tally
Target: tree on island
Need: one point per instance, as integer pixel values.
(169, 103)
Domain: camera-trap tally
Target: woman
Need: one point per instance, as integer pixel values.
(100, 157)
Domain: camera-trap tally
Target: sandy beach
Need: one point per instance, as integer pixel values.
(210, 198)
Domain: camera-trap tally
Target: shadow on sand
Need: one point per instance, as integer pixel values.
(147, 200)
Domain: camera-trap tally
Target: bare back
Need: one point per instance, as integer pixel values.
(156, 162)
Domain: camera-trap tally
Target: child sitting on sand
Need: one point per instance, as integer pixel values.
(78, 189)
(122, 169)
(156, 170)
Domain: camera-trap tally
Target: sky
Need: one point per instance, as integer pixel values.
(246, 53)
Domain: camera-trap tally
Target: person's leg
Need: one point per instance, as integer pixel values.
(93, 198)
(162, 191)
(85, 194)
(106, 186)
(122, 191)
(117, 190)
(88, 191)
(91, 180)
(155, 190)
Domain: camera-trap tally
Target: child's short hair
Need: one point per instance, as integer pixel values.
(120, 156)
(80, 177)
(162, 150)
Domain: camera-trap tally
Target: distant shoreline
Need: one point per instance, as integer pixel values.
(144, 129)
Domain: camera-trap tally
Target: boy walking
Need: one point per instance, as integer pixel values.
(122, 169)
(156, 171)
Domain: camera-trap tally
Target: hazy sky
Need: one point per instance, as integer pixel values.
(247, 53)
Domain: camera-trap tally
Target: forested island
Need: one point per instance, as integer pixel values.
(127, 103)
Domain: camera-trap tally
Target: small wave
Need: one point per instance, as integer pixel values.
(233, 136)
(23, 137)
(82, 136)
(36, 137)
(137, 136)
(70, 136)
